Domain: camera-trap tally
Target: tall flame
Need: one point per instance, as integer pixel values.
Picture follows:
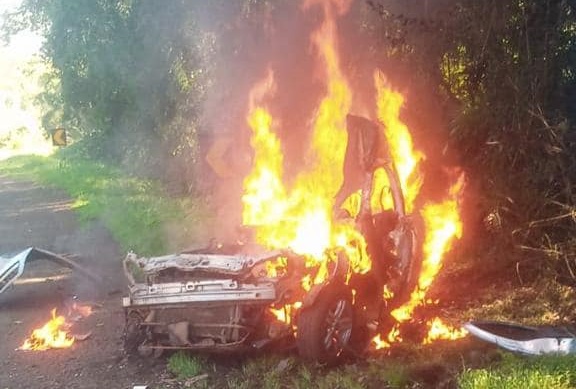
(442, 224)
(265, 199)
(404, 155)
(300, 215)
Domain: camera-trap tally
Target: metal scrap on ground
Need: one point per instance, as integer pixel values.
(537, 340)
(12, 267)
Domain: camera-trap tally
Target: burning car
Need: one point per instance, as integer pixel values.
(356, 244)
(240, 296)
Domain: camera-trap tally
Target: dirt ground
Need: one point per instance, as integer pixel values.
(31, 215)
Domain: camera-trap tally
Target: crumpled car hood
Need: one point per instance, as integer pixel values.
(212, 263)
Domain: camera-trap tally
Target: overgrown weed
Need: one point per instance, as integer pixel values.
(542, 302)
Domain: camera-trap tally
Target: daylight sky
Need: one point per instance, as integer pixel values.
(24, 44)
(20, 67)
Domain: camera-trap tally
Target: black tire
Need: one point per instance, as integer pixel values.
(325, 328)
(133, 335)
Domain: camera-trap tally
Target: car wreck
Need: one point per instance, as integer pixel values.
(213, 299)
(241, 297)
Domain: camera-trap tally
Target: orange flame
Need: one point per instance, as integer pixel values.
(300, 215)
(286, 313)
(380, 343)
(440, 330)
(52, 335)
(406, 158)
(443, 225)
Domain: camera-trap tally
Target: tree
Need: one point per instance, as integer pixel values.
(130, 74)
(504, 71)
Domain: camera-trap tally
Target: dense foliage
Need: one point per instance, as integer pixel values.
(135, 80)
(130, 77)
(504, 73)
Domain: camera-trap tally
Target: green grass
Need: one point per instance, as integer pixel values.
(184, 366)
(419, 370)
(136, 212)
(514, 372)
(279, 372)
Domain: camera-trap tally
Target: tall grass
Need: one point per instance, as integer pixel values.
(135, 211)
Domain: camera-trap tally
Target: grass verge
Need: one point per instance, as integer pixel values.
(135, 211)
(278, 372)
(514, 372)
(459, 364)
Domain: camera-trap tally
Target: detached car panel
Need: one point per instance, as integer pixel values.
(11, 268)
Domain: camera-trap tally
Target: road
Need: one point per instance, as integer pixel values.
(32, 215)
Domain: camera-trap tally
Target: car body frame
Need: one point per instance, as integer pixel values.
(231, 297)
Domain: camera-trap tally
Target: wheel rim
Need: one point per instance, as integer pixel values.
(338, 327)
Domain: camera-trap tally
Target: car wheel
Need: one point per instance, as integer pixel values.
(409, 251)
(134, 335)
(325, 328)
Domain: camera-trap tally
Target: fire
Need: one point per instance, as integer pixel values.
(380, 343)
(267, 203)
(439, 330)
(405, 156)
(300, 216)
(443, 225)
(53, 334)
(286, 313)
(299, 213)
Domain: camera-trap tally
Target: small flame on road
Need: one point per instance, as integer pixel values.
(53, 334)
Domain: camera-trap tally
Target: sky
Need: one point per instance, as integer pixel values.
(26, 43)
(20, 117)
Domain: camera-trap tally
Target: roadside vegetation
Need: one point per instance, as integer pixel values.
(138, 212)
(554, 372)
(445, 366)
